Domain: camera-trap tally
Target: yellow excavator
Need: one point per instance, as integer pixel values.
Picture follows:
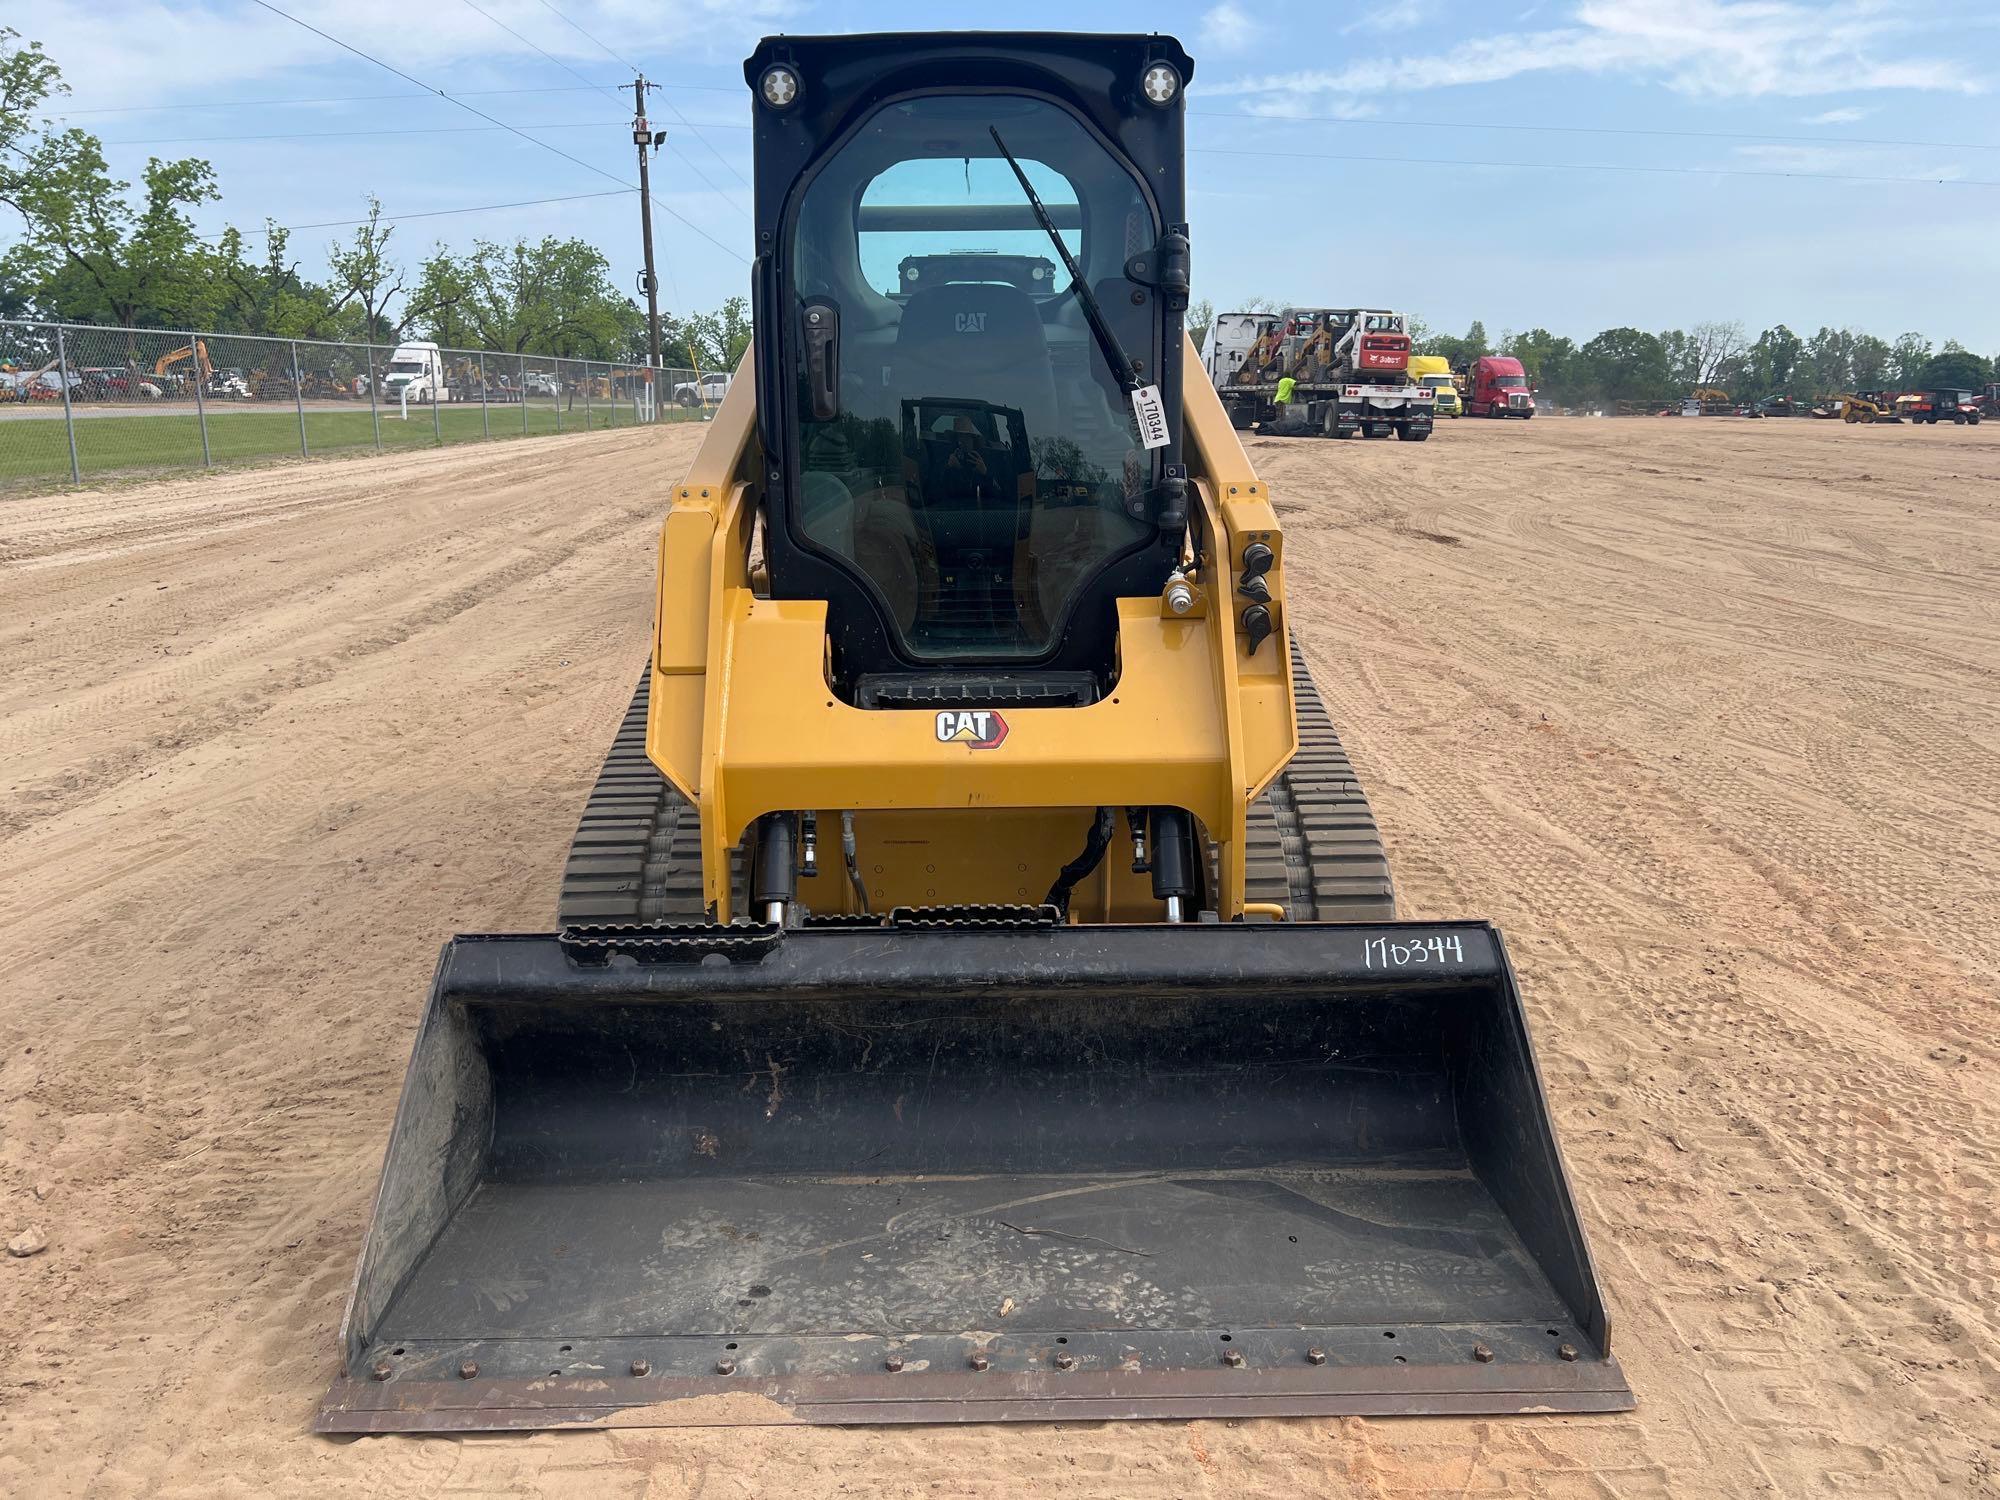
(976, 992)
(196, 351)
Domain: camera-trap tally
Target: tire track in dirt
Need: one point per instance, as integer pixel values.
(1738, 830)
(1785, 928)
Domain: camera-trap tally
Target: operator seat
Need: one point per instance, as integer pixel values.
(976, 340)
(982, 344)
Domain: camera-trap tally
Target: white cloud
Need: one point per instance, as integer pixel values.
(1294, 106)
(143, 51)
(1228, 27)
(1386, 16)
(1718, 48)
(1837, 116)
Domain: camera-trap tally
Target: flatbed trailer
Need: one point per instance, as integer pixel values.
(1342, 410)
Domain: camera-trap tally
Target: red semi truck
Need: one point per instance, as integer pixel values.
(1498, 387)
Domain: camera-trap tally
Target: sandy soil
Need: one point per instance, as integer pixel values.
(1705, 714)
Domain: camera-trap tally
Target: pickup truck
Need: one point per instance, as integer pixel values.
(707, 391)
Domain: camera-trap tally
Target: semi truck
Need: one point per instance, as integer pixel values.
(416, 374)
(1434, 370)
(1233, 340)
(1497, 386)
(1348, 368)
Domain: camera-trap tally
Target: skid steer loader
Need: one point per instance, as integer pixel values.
(976, 992)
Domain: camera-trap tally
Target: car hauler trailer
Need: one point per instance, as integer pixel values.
(1349, 369)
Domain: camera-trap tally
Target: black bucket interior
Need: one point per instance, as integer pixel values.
(866, 1152)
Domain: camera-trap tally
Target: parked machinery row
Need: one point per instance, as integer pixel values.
(1923, 408)
(1346, 372)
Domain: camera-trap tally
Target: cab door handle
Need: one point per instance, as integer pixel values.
(822, 335)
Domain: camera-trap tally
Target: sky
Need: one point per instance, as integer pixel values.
(1572, 166)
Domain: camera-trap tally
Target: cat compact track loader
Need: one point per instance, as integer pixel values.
(977, 992)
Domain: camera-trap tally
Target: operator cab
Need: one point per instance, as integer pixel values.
(970, 263)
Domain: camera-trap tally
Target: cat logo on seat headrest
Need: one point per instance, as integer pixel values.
(974, 728)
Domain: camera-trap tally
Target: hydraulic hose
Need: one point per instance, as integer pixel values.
(1094, 845)
(853, 865)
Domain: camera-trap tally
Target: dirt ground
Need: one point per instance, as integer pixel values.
(1705, 714)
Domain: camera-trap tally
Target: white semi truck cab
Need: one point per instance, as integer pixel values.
(1230, 340)
(416, 374)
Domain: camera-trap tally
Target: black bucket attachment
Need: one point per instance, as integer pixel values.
(962, 1171)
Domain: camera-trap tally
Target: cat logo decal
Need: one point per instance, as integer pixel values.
(974, 728)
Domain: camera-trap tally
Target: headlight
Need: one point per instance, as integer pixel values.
(779, 86)
(1160, 83)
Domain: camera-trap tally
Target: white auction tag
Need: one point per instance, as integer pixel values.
(1152, 415)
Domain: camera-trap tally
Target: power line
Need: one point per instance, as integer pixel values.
(347, 135)
(343, 135)
(471, 5)
(474, 6)
(434, 213)
(617, 57)
(728, 166)
(1685, 135)
(502, 124)
(1585, 166)
(148, 109)
(646, 199)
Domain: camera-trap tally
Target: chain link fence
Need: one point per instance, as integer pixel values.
(80, 402)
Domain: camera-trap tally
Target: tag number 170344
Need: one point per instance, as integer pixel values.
(1405, 953)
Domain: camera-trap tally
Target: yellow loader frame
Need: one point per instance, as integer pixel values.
(743, 721)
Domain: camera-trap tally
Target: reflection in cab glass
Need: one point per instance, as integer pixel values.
(975, 460)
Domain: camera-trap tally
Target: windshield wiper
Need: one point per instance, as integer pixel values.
(1122, 369)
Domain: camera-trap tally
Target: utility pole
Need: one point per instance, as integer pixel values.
(645, 138)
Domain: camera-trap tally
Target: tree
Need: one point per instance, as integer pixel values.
(90, 254)
(548, 297)
(717, 340)
(98, 258)
(1717, 347)
(1908, 356)
(1868, 362)
(1626, 364)
(1954, 367)
(1460, 351)
(363, 273)
(1550, 362)
(444, 281)
(1200, 316)
(270, 297)
(1773, 360)
(1828, 362)
(1683, 363)
(28, 80)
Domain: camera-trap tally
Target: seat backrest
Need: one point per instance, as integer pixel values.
(976, 339)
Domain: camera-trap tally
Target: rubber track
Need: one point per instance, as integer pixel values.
(1314, 848)
(636, 856)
